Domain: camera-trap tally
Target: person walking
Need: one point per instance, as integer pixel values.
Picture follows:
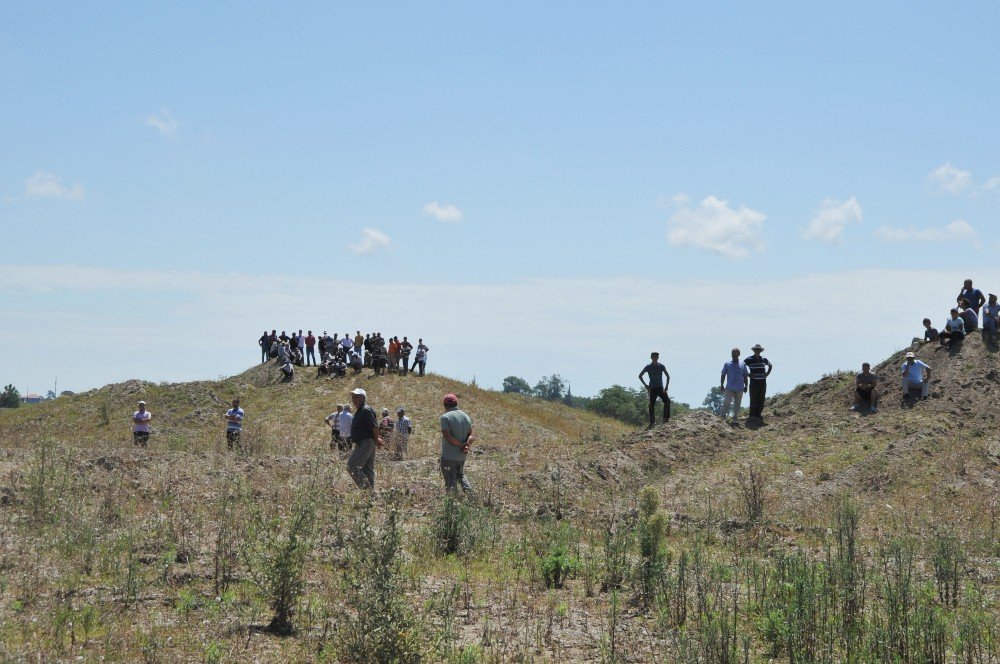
(659, 384)
(265, 346)
(456, 441)
(364, 432)
(733, 382)
(759, 368)
(140, 425)
(234, 424)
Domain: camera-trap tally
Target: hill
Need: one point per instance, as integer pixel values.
(743, 538)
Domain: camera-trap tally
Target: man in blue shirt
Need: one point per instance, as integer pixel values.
(914, 376)
(954, 329)
(234, 424)
(734, 383)
(657, 387)
(973, 295)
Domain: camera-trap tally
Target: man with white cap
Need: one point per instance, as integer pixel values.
(913, 371)
(140, 425)
(456, 441)
(364, 433)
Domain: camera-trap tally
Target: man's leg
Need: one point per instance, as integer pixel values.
(727, 400)
(449, 473)
(666, 406)
(652, 407)
(737, 403)
(463, 481)
(357, 464)
(406, 365)
(924, 388)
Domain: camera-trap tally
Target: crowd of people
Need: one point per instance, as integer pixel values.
(357, 432)
(340, 355)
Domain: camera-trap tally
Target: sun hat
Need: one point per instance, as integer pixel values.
(757, 347)
(910, 355)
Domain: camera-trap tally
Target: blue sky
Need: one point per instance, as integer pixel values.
(535, 189)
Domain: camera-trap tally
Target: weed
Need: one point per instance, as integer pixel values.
(559, 563)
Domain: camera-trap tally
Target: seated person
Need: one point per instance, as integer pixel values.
(914, 376)
(287, 369)
(991, 314)
(356, 362)
(338, 369)
(969, 317)
(954, 329)
(930, 333)
(866, 390)
(283, 354)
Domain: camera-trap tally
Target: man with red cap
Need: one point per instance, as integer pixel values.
(456, 440)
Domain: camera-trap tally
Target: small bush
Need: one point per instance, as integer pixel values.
(559, 563)
(458, 527)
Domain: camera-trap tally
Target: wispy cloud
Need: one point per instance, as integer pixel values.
(50, 185)
(372, 239)
(829, 221)
(957, 231)
(164, 122)
(443, 212)
(715, 226)
(948, 179)
(993, 184)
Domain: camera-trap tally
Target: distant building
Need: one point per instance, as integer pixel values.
(33, 398)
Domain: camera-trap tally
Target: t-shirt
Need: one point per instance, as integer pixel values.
(757, 366)
(404, 427)
(310, 341)
(734, 371)
(344, 423)
(145, 417)
(238, 424)
(656, 372)
(346, 343)
(970, 318)
(914, 372)
(870, 379)
(363, 423)
(974, 296)
(955, 325)
(334, 419)
(359, 341)
(264, 341)
(930, 334)
(301, 342)
(459, 425)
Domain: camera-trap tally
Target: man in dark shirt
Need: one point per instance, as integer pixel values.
(866, 390)
(364, 433)
(930, 333)
(265, 346)
(760, 369)
(310, 348)
(973, 295)
(657, 387)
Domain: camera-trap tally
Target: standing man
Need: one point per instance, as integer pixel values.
(359, 344)
(404, 351)
(346, 344)
(657, 387)
(364, 432)
(991, 312)
(759, 368)
(733, 382)
(301, 342)
(913, 376)
(322, 344)
(310, 348)
(456, 441)
(973, 295)
(140, 425)
(265, 346)
(333, 421)
(234, 424)
(404, 427)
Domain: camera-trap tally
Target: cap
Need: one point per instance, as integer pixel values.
(142, 403)
(910, 355)
(400, 410)
(757, 347)
(450, 399)
(385, 411)
(359, 392)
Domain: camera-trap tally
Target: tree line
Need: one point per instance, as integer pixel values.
(627, 404)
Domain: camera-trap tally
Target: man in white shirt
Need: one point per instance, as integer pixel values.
(234, 424)
(913, 371)
(140, 425)
(401, 434)
(344, 424)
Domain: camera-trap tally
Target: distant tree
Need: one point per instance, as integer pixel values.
(713, 400)
(622, 403)
(50, 395)
(568, 397)
(550, 388)
(67, 393)
(10, 398)
(515, 385)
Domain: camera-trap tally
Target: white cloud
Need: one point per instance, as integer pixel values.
(715, 226)
(993, 184)
(50, 185)
(371, 240)
(164, 122)
(957, 231)
(827, 225)
(446, 212)
(947, 179)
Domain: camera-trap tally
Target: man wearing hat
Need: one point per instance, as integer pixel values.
(759, 368)
(456, 440)
(914, 376)
(140, 425)
(364, 433)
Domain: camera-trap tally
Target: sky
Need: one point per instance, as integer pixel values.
(533, 188)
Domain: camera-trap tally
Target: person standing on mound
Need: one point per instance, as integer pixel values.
(733, 383)
(234, 424)
(759, 368)
(456, 441)
(364, 432)
(659, 383)
(140, 425)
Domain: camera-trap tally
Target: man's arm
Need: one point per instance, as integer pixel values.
(641, 373)
(666, 381)
(769, 368)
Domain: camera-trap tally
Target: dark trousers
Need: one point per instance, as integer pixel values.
(406, 365)
(654, 393)
(310, 354)
(421, 365)
(263, 354)
(758, 391)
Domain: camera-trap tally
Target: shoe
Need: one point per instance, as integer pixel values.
(854, 409)
(874, 409)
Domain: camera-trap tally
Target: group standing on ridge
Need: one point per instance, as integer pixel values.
(340, 355)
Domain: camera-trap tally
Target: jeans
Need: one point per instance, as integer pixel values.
(454, 474)
(758, 390)
(263, 354)
(420, 364)
(361, 463)
(310, 354)
(732, 398)
(654, 393)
